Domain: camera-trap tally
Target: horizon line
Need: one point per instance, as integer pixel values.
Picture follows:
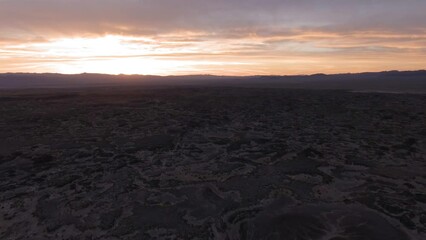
(211, 75)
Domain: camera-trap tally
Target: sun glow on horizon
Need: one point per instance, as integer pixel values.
(110, 54)
(221, 37)
(188, 53)
(115, 54)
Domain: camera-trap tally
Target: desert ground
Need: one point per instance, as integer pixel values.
(212, 163)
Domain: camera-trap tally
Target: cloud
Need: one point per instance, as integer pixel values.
(255, 32)
(149, 17)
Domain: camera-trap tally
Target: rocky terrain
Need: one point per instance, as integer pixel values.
(212, 163)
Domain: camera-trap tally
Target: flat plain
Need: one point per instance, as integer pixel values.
(212, 163)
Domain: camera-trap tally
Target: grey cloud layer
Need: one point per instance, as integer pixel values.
(148, 17)
(234, 36)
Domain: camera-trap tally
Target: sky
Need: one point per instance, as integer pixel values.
(221, 37)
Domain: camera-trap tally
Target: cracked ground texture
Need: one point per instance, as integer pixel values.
(212, 163)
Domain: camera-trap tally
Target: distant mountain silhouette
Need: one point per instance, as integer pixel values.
(394, 81)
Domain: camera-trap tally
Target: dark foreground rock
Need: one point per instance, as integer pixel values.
(207, 163)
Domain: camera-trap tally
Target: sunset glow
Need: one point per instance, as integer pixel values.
(152, 37)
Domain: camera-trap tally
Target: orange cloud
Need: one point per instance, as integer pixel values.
(232, 37)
